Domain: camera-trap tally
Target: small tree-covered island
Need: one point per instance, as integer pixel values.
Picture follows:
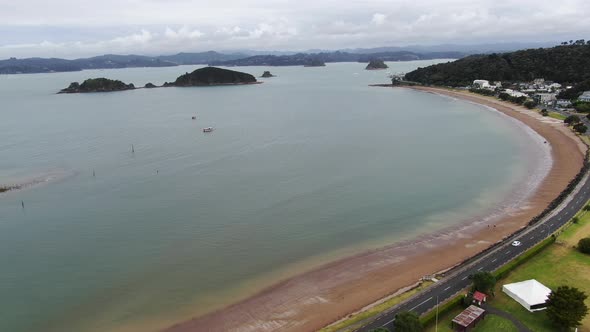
(97, 85)
(207, 76)
(376, 64)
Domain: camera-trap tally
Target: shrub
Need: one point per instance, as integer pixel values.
(530, 104)
(584, 245)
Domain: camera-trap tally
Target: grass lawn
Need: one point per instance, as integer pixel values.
(557, 116)
(493, 323)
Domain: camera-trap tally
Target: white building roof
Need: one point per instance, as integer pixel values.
(530, 291)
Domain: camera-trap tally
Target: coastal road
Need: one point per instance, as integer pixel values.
(458, 278)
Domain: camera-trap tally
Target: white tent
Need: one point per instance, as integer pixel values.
(530, 293)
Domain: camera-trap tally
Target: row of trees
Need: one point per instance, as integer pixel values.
(564, 64)
(576, 123)
(577, 42)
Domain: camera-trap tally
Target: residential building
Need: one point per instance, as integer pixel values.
(585, 96)
(481, 84)
(545, 98)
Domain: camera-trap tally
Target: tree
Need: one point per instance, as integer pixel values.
(544, 112)
(566, 307)
(588, 116)
(584, 245)
(580, 128)
(380, 329)
(407, 321)
(530, 104)
(572, 120)
(483, 282)
(504, 96)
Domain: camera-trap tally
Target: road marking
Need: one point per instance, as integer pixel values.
(495, 259)
(480, 268)
(388, 322)
(446, 288)
(550, 224)
(559, 219)
(508, 252)
(465, 277)
(532, 237)
(421, 303)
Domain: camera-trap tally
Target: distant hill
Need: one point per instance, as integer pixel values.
(564, 64)
(200, 58)
(301, 59)
(110, 61)
(376, 64)
(212, 76)
(97, 85)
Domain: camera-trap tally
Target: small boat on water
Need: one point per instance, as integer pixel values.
(194, 118)
(208, 129)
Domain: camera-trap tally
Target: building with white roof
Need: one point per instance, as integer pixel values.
(585, 96)
(531, 294)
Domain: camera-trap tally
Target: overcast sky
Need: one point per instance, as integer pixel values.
(65, 28)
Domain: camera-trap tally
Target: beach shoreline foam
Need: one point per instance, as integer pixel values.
(314, 299)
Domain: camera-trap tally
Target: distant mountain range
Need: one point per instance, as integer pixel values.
(304, 58)
(109, 61)
(256, 58)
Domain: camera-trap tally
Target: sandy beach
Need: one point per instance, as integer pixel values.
(312, 300)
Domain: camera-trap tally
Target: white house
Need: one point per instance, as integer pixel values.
(531, 294)
(544, 98)
(585, 96)
(515, 94)
(482, 84)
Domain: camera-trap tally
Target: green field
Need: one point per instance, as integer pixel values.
(557, 265)
(557, 116)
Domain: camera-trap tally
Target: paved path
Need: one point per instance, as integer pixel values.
(494, 311)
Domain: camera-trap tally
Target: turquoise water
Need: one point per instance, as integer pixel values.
(311, 165)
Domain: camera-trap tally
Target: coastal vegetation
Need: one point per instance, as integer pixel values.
(267, 74)
(97, 85)
(584, 245)
(569, 63)
(314, 62)
(201, 77)
(207, 76)
(566, 307)
(407, 321)
(376, 64)
(484, 282)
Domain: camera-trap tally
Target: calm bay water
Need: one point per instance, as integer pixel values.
(309, 166)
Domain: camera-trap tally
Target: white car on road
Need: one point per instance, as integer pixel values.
(516, 243)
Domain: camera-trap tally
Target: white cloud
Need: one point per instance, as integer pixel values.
(378, 18)
(72, 28)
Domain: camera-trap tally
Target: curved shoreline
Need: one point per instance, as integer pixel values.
(316, 298)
